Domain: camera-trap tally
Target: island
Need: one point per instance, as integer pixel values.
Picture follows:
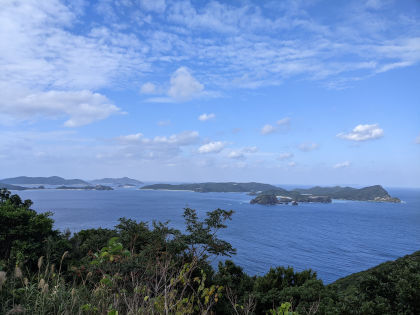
(123, 181)
(214, 187)
(97, 187)
(265, 200)
(52, 180)
(374, 193)
(11, 187)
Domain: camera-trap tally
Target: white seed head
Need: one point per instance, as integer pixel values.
(3, 278)
(40, 261)
(64, 255)
(18, 272)
(41, 283)
(45, 288)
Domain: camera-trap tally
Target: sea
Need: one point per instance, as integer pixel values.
(334, 239)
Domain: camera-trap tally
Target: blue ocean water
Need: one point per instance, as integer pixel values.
(334, 239)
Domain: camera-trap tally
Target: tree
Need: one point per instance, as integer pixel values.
(23, 232)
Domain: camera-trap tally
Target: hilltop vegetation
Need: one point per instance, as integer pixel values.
(214, 187)
(142, 268)
(116, 181)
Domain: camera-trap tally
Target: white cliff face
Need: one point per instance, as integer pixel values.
(387, 199)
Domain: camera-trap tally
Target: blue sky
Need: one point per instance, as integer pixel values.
(285, 92)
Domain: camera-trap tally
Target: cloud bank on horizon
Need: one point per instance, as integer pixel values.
(134, 87)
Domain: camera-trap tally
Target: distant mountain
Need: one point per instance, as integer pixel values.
(11, 187)
(52, 180)
(214, 187)
(116, 181)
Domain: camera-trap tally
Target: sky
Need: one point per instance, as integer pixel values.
(283, 92)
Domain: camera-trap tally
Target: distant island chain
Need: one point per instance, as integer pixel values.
(264, 194)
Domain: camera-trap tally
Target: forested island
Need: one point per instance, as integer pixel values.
(213, 187)
(323, 194)
(139, 268)
(96, 187)
(270, 194)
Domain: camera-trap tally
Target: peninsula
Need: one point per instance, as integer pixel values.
(214, 187)
(270, 194)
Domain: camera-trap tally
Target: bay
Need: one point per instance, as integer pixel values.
(334, 239)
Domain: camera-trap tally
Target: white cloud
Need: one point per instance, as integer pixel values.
(267, 129)
(236, 155)
(363, 133)
(51, 46)
(285, 156)
(342, 164)
(130, 138)
(78, 107)
(43, 53)
(308, 146)
(252, 149)
(241, 154)
(148, 88)
(153, 5)
(205, 117)
(50, 72)
(159, 147)
(374, 4)
(282, 124)
(164, 123)
(184, 86)
(212, 147)
(183, 138)
(292, 164)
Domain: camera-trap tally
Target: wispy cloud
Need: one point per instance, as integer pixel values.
(212, 147)
(51, 47)
(153, 5)
(363, 133)
(267, 129)
(205, 117)
(285, 156)
(282, 124)
(308, 146)
(163, 123)
(242, 153)
(157, 148)
(236, 155)
(148, 88)
(342, 164)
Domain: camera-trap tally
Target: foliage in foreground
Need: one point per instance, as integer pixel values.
(138, 268)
